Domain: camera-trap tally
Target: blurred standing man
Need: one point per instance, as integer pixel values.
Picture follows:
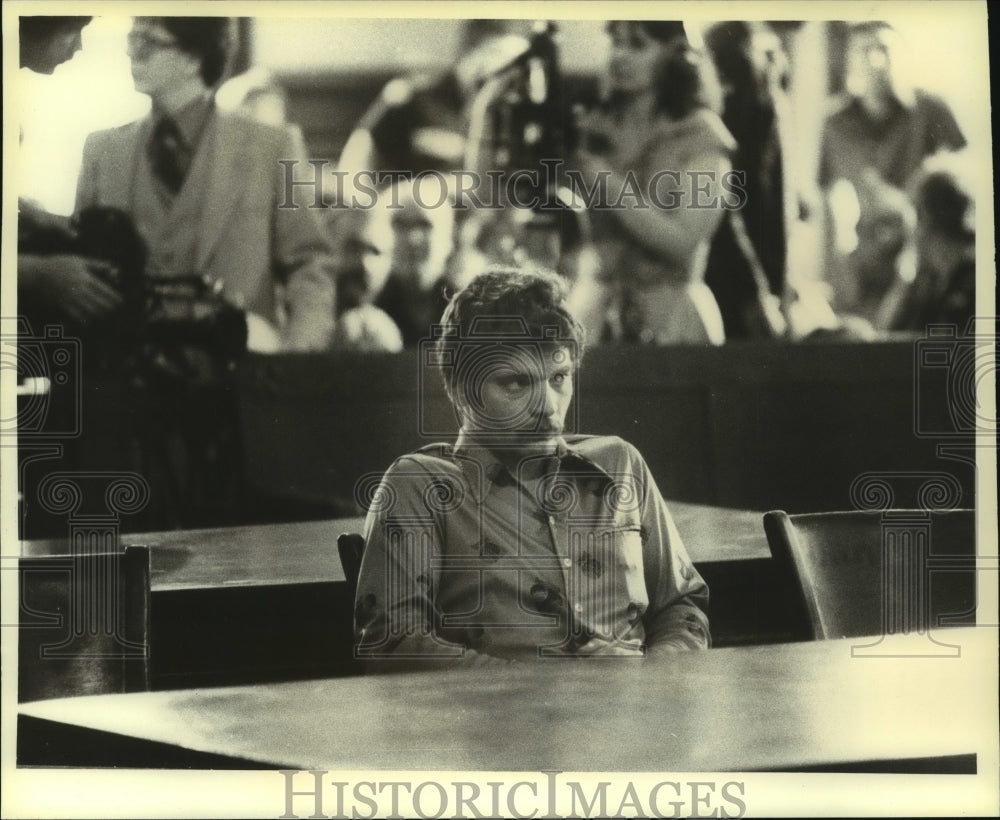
(206, 191)
(203, 186)
(882, 123)
(878, 135)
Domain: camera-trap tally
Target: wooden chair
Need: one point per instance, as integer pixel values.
(351, 547)
(870, 573)
(83, 625)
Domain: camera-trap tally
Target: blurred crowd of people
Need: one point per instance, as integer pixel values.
(674, 115)
(667, 201)
(895, 200)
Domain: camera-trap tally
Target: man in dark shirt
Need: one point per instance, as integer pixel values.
(416, 290)
(877, 137)
(880, 123)
(517, 541)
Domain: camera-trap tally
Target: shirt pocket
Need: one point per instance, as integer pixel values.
(617, 552)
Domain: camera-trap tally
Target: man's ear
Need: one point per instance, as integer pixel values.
(193, 65)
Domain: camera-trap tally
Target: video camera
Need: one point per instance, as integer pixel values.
(170, 331)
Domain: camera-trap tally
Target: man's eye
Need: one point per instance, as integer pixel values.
(514, 383)
(559, 379)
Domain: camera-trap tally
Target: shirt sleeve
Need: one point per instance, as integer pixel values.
(395, 617)
(303, 256)
(86, 184)
(677, 616)
(943, 129)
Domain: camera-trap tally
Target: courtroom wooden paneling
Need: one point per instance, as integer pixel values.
(754, 426)
(750, 426)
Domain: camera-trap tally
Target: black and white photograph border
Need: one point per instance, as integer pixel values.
(946, 688)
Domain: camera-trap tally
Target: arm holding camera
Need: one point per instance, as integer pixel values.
(68, 284)
(53, 276)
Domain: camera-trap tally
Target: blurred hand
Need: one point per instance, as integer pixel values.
(595, 136)
(262, 337)
(70, 284)
(307, 332)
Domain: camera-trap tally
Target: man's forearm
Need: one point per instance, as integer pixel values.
(682, 626)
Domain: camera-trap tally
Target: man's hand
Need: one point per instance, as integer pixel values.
(69, 284)
(308, 331)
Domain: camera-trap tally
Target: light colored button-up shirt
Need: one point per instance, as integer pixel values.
(571, 554)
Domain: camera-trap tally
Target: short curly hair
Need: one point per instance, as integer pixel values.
(209, 39)
(504, 306)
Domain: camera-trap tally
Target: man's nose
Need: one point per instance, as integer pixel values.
(417, 237)
(550, 401)
(133, 49)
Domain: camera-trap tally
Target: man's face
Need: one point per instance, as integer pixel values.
(423, 242)
(55, 50)
(368, 246)
(517, 394)
(158, 64)
(870, 58)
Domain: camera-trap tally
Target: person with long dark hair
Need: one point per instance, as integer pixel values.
(655, 157)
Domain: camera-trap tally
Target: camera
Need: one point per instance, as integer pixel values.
(170, 331)
(492, 346)
(949, 367)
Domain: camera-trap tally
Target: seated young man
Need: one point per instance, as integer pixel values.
(518, 541)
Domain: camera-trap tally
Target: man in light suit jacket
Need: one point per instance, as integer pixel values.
(203, 187)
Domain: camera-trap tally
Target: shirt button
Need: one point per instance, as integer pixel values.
(567, 562)
(578, 608)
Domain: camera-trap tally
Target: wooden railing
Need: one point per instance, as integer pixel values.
(755, 426)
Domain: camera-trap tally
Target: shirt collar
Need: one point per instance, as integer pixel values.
(898, 101)
(483, 467)
(190, 119)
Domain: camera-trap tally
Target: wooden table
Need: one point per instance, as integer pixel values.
(268, 602)
(306, 552)
(782, 707)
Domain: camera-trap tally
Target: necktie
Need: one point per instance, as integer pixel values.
(633, 319)
(169, 154)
